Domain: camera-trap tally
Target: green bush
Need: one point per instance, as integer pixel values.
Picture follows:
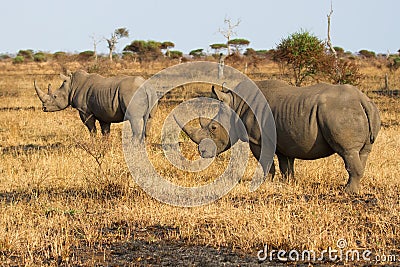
(18, 60)
(367, 53)
(86, 55)
(175, 54)
(26, 54)
(145, 50)
(393, 63)
(300, 52)
(59, 55)
(40, 57)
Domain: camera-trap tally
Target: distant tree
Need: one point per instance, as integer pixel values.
(393, 62)
(301, 53)
(115, 36)
(145, 50)
(18, 60)
(86, 55)
(339, 51)
(95, 42)
(197, 53)
(167, 45)
(175, 54)
(218, 47)
(229, 31)
(367, 54)
(40, 57)
(238, 44)
(26, 54)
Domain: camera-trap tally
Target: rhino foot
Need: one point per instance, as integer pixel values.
(352, 188)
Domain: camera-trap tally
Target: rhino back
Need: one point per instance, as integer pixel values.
(316, 121)
(102, 97)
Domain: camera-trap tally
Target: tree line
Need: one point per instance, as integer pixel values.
(300, 55)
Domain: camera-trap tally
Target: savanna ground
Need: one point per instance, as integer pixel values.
(67, 199)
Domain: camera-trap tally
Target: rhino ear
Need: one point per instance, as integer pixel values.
(222, 96)
(63, 77)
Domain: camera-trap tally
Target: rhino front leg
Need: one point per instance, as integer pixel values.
(355, 168)
(105, 128)
(286, 166)
(90, 122)
(256, 151)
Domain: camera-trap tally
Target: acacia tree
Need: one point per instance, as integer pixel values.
(167, 45)
(218, 47)
(238, 44)
(301, 52)
(145, 50)
(115, 36)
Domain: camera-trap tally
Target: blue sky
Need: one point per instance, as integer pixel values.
(53, 25)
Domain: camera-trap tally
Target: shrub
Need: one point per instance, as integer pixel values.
(175, 54)
(26, 54)
(340, 71)
(301, 53)
(339, 51)
(145, 50)
(86, 55)
(18, 60)
(59, 55)
(4, 57)
(367, 54)
(40, 57)
(393, 63)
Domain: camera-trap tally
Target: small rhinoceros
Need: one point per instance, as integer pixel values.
(103, 99)
(311, 123)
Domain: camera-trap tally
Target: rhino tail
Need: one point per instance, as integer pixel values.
(374, 121)
(152, 101)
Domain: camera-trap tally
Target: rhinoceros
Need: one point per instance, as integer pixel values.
(102, 99)
(311, 122)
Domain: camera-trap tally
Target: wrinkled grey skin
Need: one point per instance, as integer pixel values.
(102, 99)
(311, 123)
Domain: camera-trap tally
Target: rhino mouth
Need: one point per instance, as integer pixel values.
(207, 148)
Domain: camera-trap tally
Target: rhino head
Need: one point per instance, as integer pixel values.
(218, 134)
(58, 100)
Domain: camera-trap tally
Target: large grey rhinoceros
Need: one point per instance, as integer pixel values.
(103, 99)
(311, 122)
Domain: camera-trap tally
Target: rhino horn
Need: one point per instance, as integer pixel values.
(192, 132)
(204, 122)
(40, 93)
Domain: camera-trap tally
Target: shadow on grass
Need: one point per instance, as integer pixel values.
(30, 148)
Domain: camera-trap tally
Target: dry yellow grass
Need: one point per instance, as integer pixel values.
(55, 198)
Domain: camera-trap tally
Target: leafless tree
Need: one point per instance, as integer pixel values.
(115, 36)
(95, 41)
(329, 42)
(229, 31)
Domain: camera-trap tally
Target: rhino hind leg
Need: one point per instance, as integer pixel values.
(286, 166)
(137, 126)
(355, 164)
(364, 154)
